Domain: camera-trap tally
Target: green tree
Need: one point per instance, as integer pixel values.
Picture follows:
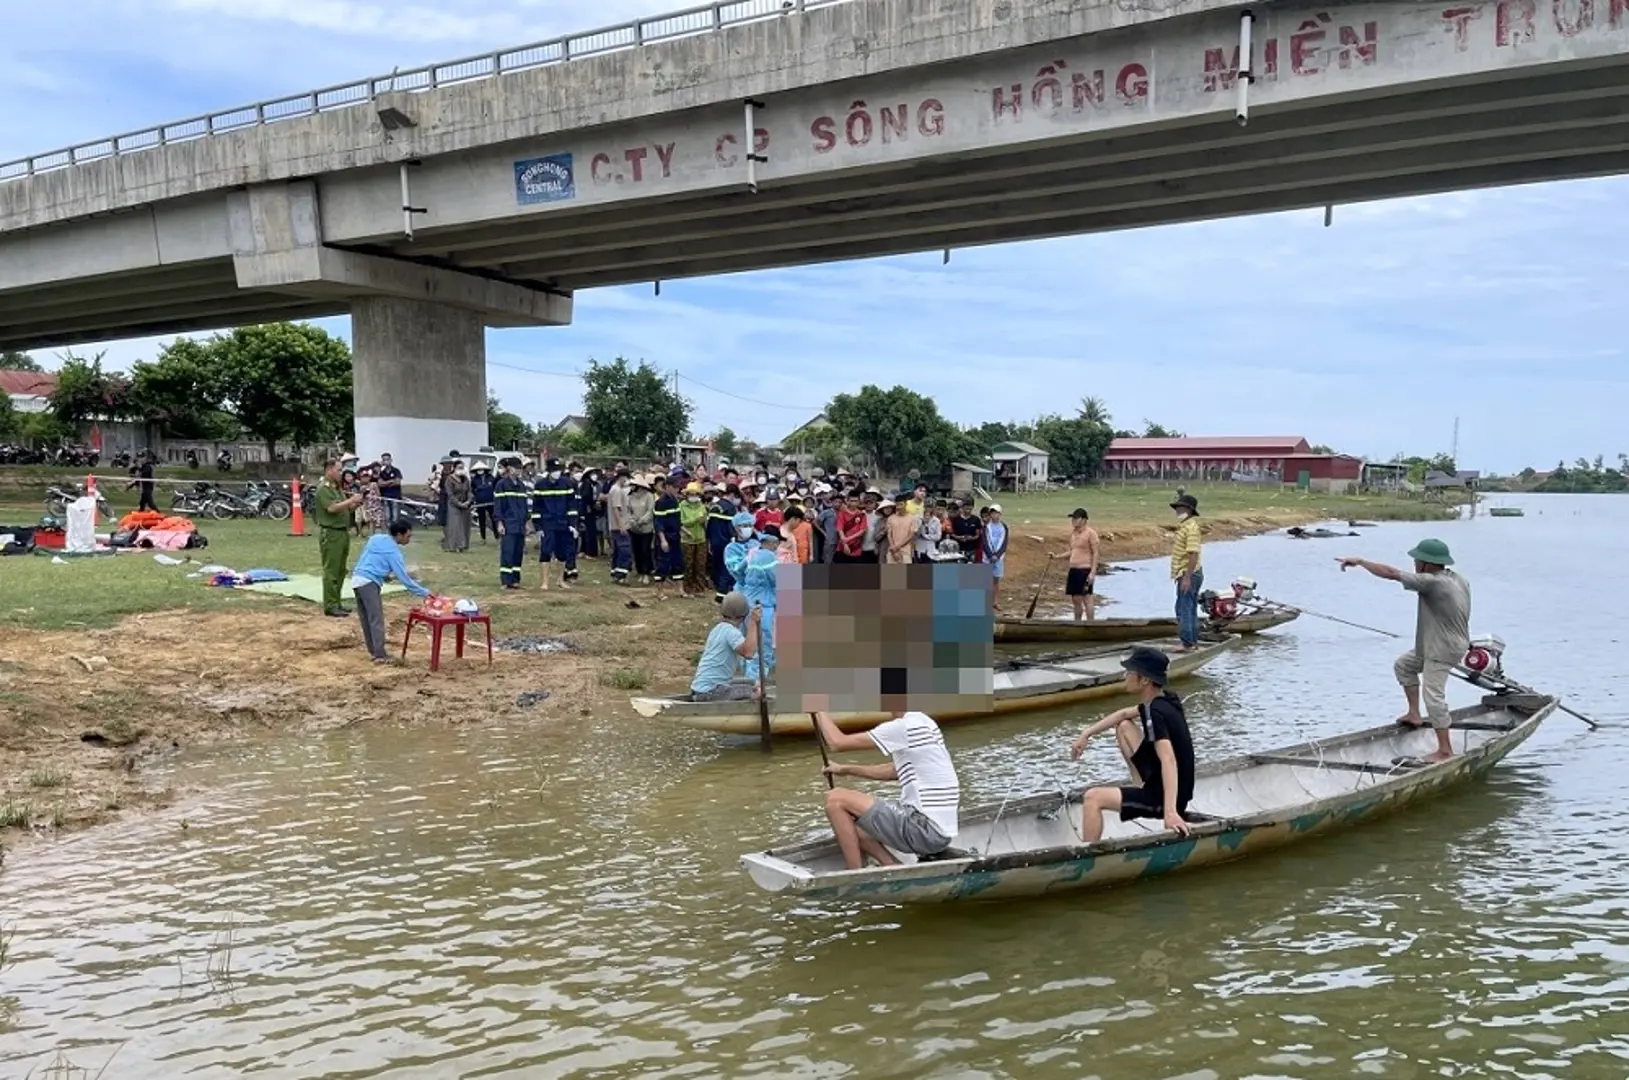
(85, 392)
(12, 360)
(1152, 430)
(504, 430)
(828, 449)
(898, 429)
(8, 417)
(285, 381)
(41, 429)
(1093, 410)
(180, 392)
(724, 443)
(1076, 444)
(632, 409)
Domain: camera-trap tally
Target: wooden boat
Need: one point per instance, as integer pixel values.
(1505, 511)
(1021, 684)
(1013, 630)
(1031, 846)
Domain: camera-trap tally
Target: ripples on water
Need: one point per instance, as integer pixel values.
(504, 900)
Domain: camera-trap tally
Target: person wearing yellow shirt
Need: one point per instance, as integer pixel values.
(1186, 570)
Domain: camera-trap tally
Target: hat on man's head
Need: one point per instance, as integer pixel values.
(734, 606)
(994, 508)
(1434, 552)
(1188, 503)
(1151, 664)
(1080, 512)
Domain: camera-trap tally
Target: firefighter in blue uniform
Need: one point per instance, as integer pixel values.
(720, 531)
(511, 499)
(554, 512)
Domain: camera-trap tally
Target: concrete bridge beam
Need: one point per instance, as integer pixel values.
(420, 381)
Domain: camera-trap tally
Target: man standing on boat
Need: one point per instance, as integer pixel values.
(1186, 571)
(1154, 740)
(1441, 635)
(923, 820)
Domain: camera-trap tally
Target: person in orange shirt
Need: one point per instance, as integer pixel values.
(797, 528)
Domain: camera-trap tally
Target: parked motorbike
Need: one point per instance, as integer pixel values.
(223, 461)
(57, 499)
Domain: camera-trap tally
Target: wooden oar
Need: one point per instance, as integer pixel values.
(1045, 570)
(825, 758)
(764, 733)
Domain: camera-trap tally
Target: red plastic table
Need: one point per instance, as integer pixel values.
(438, 623)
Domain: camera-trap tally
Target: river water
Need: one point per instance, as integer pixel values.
(499, 900)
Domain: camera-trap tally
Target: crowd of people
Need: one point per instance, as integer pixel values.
(673, 528)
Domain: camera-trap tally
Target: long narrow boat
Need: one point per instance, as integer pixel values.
(1032, 846)
(1024, 683)
(1013, 630)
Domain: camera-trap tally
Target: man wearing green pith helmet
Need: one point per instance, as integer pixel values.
(1441, 635)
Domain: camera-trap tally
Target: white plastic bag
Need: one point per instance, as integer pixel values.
(81, 525)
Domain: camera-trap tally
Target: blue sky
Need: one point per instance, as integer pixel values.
(1504, 308)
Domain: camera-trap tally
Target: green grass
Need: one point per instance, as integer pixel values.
(15, 813)
(1129, 504)
(626, 678)
(47, 778)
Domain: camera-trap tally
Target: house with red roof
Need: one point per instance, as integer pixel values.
(1285, 459)
(30, 391)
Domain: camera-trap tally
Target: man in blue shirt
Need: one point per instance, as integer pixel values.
(381, 559)
(718, 674)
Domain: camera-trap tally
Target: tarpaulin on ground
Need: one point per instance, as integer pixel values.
(306, 587)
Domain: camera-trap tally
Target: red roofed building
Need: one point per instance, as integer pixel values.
(1270, 458)
(30, 391)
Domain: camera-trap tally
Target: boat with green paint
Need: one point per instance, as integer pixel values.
(1506, 511)
(1257, 802)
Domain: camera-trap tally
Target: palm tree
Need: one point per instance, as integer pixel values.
(1093, 411)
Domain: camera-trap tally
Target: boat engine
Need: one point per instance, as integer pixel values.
(1223, 606)
(1485, 656)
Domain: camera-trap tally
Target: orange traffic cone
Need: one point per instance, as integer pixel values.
(298, 519)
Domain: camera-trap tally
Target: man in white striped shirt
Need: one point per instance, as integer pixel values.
(923, 820)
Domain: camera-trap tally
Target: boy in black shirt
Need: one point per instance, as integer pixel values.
(1154, 740)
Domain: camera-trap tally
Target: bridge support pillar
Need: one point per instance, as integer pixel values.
(420, 381)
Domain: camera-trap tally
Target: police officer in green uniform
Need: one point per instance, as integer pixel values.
(333, 516)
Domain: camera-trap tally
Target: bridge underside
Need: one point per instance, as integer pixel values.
(1562, 123)
(1561, 126)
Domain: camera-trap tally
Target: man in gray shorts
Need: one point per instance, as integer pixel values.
(923, 820)
(1441, 635)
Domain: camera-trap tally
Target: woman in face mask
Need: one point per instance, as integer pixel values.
(693, 541)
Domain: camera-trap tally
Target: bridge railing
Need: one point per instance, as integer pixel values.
(708, 18)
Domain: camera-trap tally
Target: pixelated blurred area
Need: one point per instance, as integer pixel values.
(891, 638)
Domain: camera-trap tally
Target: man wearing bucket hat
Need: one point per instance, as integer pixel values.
(1154, 740)
(1441, 635)
(1186, 571)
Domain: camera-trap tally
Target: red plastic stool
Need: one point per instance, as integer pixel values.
(438, 623)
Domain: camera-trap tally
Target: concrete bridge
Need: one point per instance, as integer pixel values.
(765, 133)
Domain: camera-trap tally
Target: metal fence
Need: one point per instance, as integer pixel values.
(709, 18)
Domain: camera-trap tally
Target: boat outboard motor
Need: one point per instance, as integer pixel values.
(1485, 656)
